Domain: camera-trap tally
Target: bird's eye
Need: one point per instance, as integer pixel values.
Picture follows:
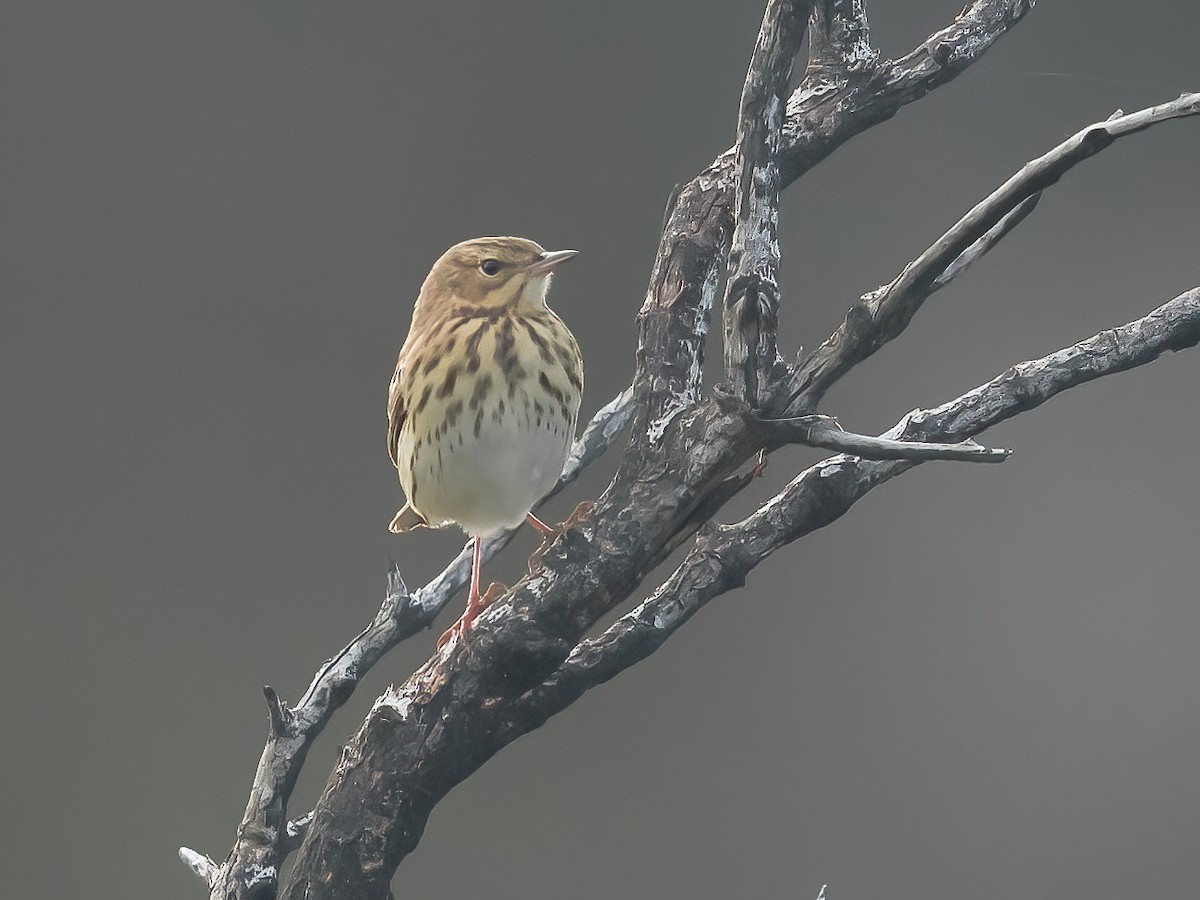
(490, 267)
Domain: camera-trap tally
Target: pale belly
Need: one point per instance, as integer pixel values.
(487, 482)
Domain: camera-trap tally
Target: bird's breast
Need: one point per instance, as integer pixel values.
(492, 406)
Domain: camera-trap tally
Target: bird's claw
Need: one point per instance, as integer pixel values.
(551, 533)
(463, 624)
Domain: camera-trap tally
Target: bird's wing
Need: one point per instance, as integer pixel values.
(395, 410)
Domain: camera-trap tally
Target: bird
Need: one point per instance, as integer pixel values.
(485, 397)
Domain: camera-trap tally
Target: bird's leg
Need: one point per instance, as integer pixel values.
(476, 602)
(548, 532)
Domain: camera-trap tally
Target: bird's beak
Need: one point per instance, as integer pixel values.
(548, 260)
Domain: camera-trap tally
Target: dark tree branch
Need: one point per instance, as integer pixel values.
(724, 555)
(469, 701)
(884, 313)
(752, 293)
(672, 328)
(201, 865)
(822, 114)
(839, 100)
(423, 737)
(526, 655)
(265, 837)
(253, 865)
(296, 829)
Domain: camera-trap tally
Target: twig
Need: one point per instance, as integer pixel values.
(823, 431)
(857, 92)
(990, 239)
(751, 314)
(260, 846)
(204, 867)
(884, 313)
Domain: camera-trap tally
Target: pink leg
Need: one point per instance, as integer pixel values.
(473, 597)
(476, 602)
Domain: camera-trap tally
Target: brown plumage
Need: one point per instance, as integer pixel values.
(484, 401)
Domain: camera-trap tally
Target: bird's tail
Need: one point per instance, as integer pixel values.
(408, 519)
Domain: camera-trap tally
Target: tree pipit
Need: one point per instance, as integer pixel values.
(483, 404)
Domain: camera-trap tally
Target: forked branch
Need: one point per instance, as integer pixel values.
(723, 555)
(884, 313)
(527, 657)
(832, 104)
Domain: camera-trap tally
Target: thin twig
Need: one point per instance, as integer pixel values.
(823, 431)
(884, 313)
(858, 91)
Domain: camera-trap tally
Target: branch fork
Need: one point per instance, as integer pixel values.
(523, 666)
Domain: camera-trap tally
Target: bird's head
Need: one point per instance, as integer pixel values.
(490, 273)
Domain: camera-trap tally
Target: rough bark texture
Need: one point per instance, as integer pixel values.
(752, 291)
(526, 658)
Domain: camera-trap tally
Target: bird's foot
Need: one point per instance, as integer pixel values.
(550, 533)
(475, 606)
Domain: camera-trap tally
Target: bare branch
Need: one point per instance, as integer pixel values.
(825, 111)
(823, 431)
(264, 836)
(261, 841)
(421, 737)
(204, 867)
(525, 659)
(752, 292)
(836, 102)
(884, 313)
(724, 555)
(1173, 326)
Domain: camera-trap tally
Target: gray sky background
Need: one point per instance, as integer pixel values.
(981, 683)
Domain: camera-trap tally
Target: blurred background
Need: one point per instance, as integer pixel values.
(981, 682)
